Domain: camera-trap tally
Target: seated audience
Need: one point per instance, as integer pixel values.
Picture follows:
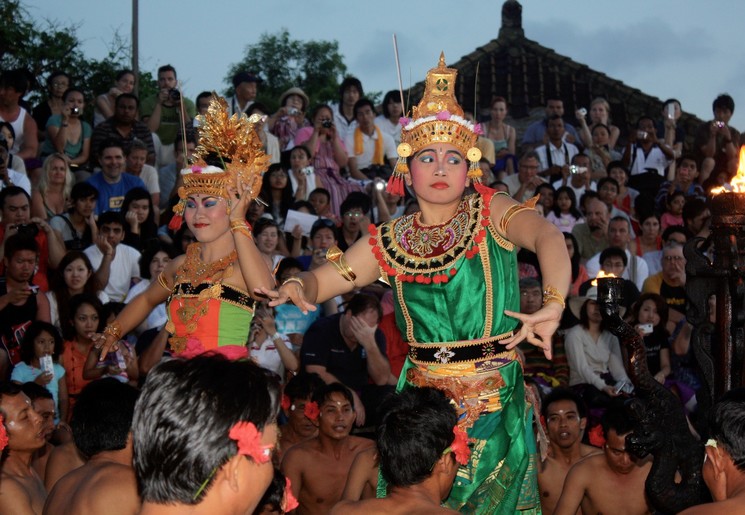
(74, 276)
(124, 127)
(603, 482)
(420, 448)
(67, 132)
(111, 182)
(318, 467)
(52, 196)
(140, 217)
(102, 431)
(78, 225)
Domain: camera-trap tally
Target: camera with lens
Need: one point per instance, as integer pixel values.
(292, 111)
(574, 169)
(641, 134)
(327, 124)
(28, 230)
(75, 110)
(174, 95)
(719, 124)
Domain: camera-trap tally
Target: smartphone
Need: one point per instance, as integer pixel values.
(620, 386)
(646, 328)
(34, 288)
(641, 134)
(671, 110)
(45, 362)
(582, 111)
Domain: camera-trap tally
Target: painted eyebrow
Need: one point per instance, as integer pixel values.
(203, 199)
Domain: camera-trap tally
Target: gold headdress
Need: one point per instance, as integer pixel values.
(437, 119)
(229, 151)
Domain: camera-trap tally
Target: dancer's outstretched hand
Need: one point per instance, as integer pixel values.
(290, 291)
(537, 328)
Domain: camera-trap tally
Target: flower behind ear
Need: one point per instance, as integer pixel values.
(248, 438)
(286, 403)
(3, 434)
(311, 410)
(460, 446)
(597, 438)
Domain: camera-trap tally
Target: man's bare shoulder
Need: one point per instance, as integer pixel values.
(101, 488)
(734, 506)
(14, 497)
(587, 466)
(589, 450)
(360, 444)
(383, 507)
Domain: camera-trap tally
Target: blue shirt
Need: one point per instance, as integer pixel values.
(24, 373)
(111, 196)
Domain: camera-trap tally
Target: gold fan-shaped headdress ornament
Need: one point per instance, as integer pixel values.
(229, 151)
(437, 119)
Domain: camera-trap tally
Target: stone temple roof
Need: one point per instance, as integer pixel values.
(526, 73)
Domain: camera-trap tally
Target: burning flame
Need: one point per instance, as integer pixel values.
(601, 275)
(737, 184)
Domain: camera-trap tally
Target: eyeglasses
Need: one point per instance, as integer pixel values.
(351, 214)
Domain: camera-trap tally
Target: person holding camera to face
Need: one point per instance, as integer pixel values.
(290, 117)
(15, 206)
(67, 133)
(162, 112)
(644, 150)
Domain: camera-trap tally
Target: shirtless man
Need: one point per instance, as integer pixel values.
(318, 467)
(101, 429)
(297, 394)
(43, 403)
(362, 481)
(565, 419)
(416, 430)
(723, 469)
(21, 489)
(612, 482)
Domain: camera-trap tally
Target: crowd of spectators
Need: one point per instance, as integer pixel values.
(85, 205)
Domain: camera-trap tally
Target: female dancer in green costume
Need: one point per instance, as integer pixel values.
(453, 271)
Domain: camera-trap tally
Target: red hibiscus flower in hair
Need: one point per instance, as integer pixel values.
(3, 434)
(597, 438)
(289, 502)
(460, 446)
(248, 438)
(311, 410)
(286, 403)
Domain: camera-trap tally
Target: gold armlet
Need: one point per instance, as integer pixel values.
(515, 209)
(335, 256)
(242, 227)
(113, 329)
(551, 294)
(294, 280)
(163, 282)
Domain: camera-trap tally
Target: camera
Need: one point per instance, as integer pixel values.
(641, 134)
(174, 95)
(292, 111)
(379, 185)
(75, 110)
(575, 170)
(34, 288)
(582, 111)
(718, 124)
(327, 124)
(646, 328)
(28, 230)
(307, 170)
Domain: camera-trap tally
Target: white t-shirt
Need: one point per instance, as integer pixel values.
(149, 176)
(124, 268)
(364, 160)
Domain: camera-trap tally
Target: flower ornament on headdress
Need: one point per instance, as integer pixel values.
(437, 119)
(459, 447)
(248, 438)
(596, 436)
(230, 152)
(311, 410)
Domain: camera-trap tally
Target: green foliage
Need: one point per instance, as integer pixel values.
(315, 66)
(41, 47)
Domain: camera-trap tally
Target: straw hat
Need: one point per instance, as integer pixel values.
(295, 91)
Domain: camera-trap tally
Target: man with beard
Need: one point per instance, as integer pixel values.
(21, 489)
(318, 467)
(612, 482)
(592, 235)
(565, 421)
(297, 394)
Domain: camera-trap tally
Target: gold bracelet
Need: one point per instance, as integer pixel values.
(551, 294)
(515, 209)
(113, 329)
(294, 280)
(242, 227)
(335, 256)
(163, 282)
